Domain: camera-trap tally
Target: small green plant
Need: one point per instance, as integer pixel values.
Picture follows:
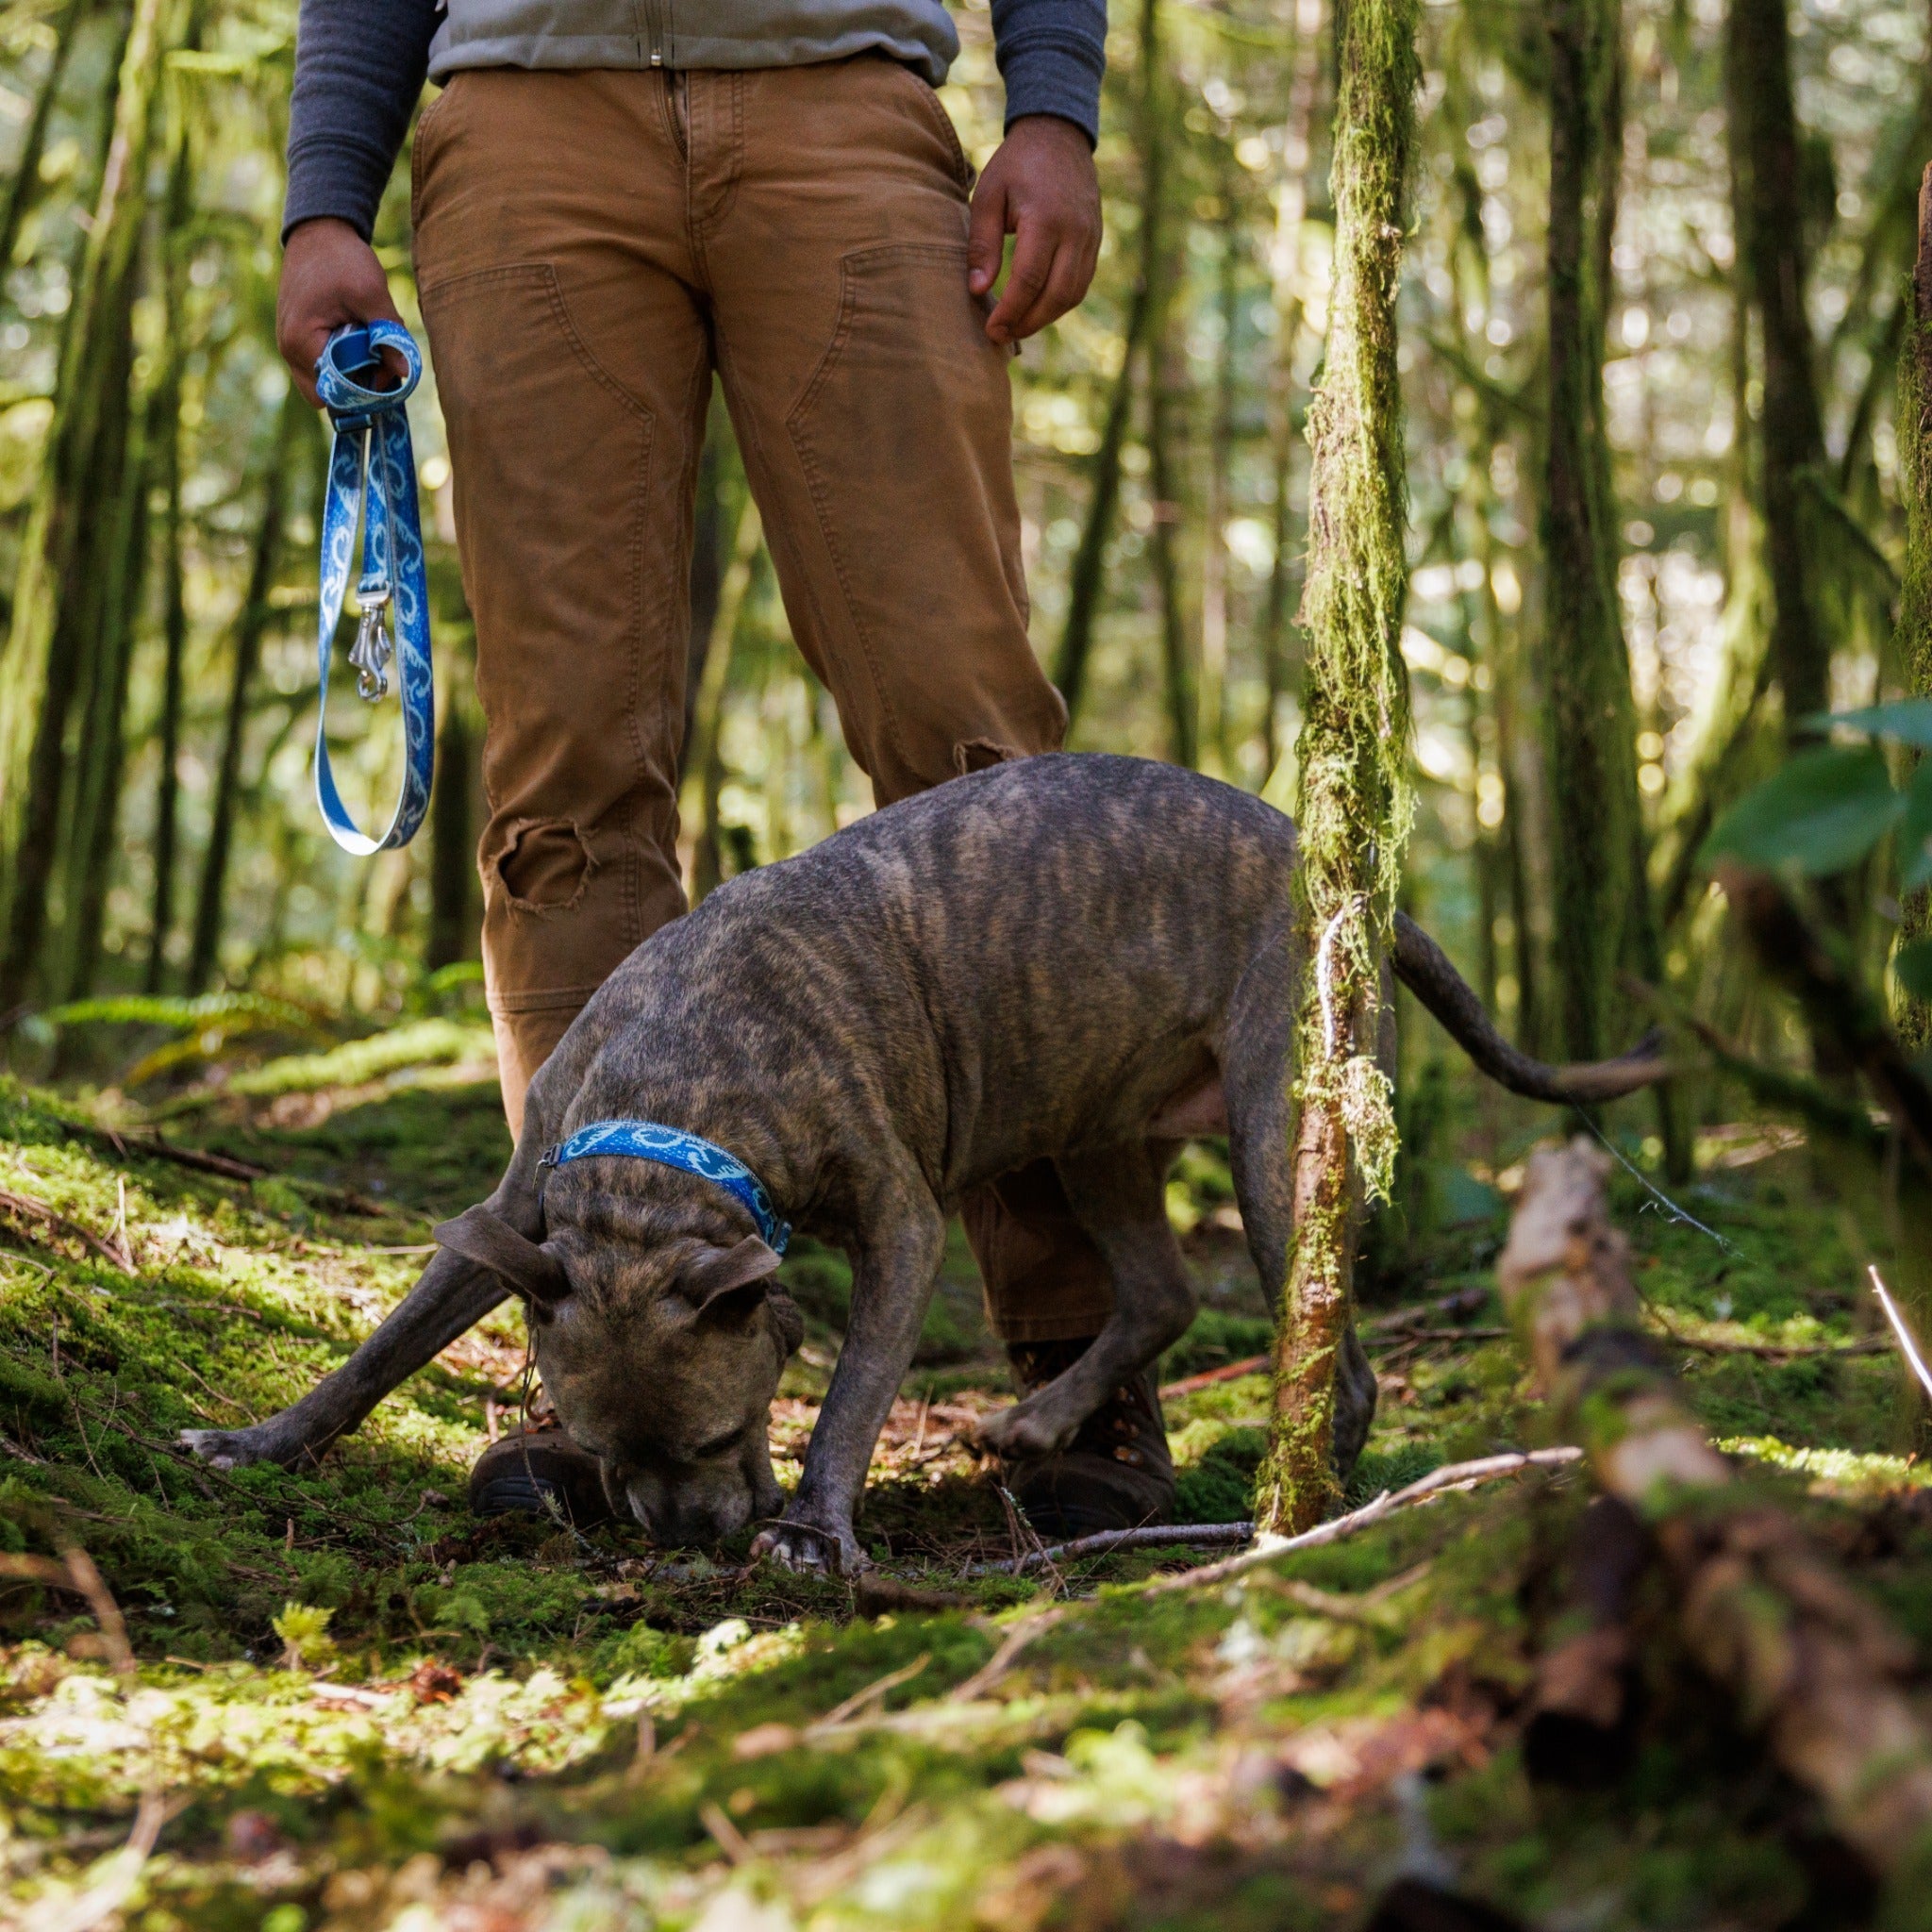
(303, 1631)
(1825, 810)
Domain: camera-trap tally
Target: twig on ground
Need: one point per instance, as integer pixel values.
(1231, 1372)
(871, 1694)
(1002, 1659)
(38, 1211)
(1107, 1541)
(1452, 1475)
(1764, 1351)
(1906, 1345)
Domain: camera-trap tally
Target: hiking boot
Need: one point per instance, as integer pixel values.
(1116, 1474)
(515, 1475)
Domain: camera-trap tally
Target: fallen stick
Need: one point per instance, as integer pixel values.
(1453, 1476)
(1231, 1372)
(1213, 1536)
(1769, 1351)
(1814, 1668)
(38, 1211)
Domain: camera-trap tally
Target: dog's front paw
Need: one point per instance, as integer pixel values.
(1024, 1431)
(811, 1549)
(233, 1448)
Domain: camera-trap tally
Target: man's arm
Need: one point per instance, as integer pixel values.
(359, 69)
(1040, 185)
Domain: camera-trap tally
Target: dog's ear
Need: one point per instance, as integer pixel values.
(492, 1243)
(729, 1281)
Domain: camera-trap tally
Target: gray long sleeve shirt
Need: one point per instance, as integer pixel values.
(360, 64)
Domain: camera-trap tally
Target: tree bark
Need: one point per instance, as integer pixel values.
(1913, 639)
(251, 625)
(1285, 272)
(101, 755)
(1769, 217)
(63, 556)
(1602, 901)
(1086, 579)
(1221, 438)
(1353, 805)
(164, 442)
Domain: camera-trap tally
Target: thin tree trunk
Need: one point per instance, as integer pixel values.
(101, 760)
(1177, 678)
(1086, 579)
(1913, 640)
(1768, 208)
(454, 927)
(251, 625)
(1214, 667)
(1354, 806)
(164, 440)
(62, 555)
(22, 190)
(1285, 272)
(703, 758)
(1601, 898)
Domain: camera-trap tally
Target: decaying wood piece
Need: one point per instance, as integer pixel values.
(1816, 1671)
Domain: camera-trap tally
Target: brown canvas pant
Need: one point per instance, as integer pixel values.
(589, 247)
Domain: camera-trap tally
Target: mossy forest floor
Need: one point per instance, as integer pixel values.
(363, 1708)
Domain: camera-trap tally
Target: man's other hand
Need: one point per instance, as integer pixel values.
(1039, 186)
(330, 277)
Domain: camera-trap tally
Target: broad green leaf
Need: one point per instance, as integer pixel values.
(1915, 832)
(1909, 721)
(1913, 967)
(1822, 812)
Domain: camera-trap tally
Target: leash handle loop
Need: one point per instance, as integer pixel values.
(372, 487)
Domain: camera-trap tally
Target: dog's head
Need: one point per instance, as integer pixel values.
(662, 1358)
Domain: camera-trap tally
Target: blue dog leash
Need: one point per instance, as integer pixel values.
(372, 482)
(674, 1147)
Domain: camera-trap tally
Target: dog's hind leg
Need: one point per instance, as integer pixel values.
(1258, 1067)
(1118, 1195)
(894, 1269)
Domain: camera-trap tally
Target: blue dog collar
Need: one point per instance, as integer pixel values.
(674, 1147)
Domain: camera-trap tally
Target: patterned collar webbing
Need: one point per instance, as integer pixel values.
(674, 1147)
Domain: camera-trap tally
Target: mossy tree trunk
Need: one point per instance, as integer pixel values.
(251, 627)
(165, 444)
(1284, 426)
(1913, 641)
(1602, 897)
(66, 551)
(1352, 799)
(1086, 579)
(1768, 204)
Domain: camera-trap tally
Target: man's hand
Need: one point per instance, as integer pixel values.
(1041, 186)
(330, 277)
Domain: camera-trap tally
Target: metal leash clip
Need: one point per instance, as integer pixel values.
(371, 650)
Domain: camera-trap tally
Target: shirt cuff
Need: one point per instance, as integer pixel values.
(329, 176)
(1054, 73)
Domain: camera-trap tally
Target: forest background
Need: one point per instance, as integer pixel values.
(1732, 228)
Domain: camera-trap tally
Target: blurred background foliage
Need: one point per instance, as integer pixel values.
(172, 904)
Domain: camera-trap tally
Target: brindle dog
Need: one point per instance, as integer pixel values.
(1081, 957)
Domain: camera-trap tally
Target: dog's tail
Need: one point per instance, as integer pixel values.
(1423, 966)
